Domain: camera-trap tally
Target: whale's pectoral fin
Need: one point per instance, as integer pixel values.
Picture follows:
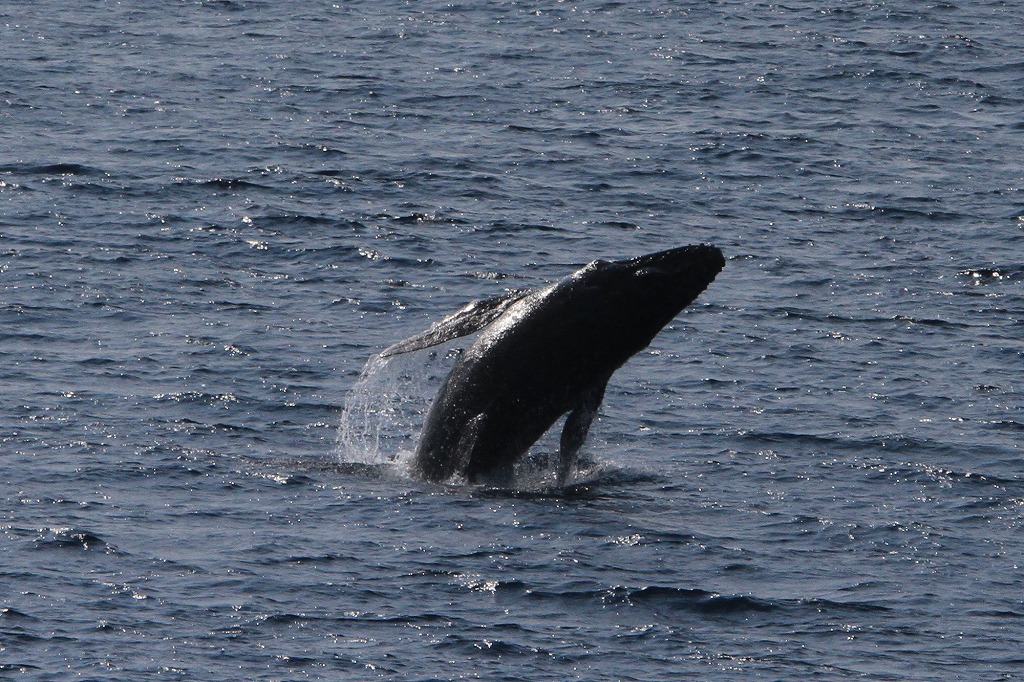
(471, 318)
(577, 425)
(468, 453)
(438, 464)
(467, 442)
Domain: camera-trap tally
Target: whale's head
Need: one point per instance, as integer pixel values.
(631, 300)
(669, 279)
(677, 275)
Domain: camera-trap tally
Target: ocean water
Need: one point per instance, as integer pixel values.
(214, 214)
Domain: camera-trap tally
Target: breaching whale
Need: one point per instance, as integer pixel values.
(544, 353)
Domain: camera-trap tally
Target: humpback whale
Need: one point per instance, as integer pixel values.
(544, 353)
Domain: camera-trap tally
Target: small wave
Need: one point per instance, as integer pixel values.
(197, 397)
(321, 148)
(9, 612)
(226, 5)
(903, 214)
(275, 219)
(419, 218)
(311, 559)
(283, 619)
(991, 275)
(224, 183)
(930, 473)
(658, 598)
(51, 169)
(486, 647)
(509, 228)
(619, 224)
(701, 601)
(833, 606)
(72, 538)
(244, 306)
(1007, 424)
(666, 600)
(4, 185)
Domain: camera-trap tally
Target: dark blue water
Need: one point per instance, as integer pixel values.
(212, 214)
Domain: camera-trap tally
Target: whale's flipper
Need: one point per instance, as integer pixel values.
(577, 425)
(471, 318)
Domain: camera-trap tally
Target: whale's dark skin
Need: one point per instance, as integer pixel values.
(544, 353)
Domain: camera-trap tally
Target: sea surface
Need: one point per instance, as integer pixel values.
(213, 214)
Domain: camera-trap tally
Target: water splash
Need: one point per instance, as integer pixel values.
(384, 411)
